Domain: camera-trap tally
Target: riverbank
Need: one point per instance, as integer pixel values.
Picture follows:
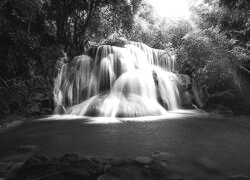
(14, 121)
(10, 122)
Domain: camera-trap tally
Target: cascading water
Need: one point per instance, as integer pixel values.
(130, 81)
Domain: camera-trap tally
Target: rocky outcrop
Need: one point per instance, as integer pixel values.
(158, 166)
(222, 103)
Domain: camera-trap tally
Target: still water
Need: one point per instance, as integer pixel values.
(225, 141)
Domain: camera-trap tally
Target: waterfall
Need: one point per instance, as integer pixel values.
(129, 81)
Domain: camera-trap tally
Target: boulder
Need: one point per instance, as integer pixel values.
(163, 156)
(224, 110)
(159, 169)
(69, 157)
(60, 110)
(34, 161)
(144, 160)
(225, 98)
(184, 80)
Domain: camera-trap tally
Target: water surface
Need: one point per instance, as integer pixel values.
(225, 141)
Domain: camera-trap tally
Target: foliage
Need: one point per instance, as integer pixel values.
(232, 18)
(203, 56)
(79, 21)
(217, 54)
(35, 34)
(158, 32)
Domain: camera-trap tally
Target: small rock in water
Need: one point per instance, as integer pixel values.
(27, 148)
(70, 157)
(34, 160)
(159, 169)
(144, 160)
(239, 177)
(163, 156)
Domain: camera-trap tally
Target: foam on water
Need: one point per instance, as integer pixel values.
(170, 115)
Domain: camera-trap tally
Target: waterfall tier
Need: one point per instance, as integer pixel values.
(129, 81)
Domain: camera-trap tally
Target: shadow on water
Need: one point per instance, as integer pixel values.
(223, 140)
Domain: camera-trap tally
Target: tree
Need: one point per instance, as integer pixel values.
(232, 18)
(33, 34)
(158, 32)
(78, 21)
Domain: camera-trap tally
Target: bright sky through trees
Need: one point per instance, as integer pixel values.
(171, 8)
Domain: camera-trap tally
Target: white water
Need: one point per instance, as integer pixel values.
(130, 81)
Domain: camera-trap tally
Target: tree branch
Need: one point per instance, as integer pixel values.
(241, 67)
(4, 82)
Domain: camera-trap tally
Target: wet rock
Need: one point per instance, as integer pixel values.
(60, 109)
(12, 171)
(9, 170)
(144, 160)
(163, 156)
(159, 169)
(106, 167)
(105, 163)
(67, 167)
(207, 165)
(224, 110)
(118, 162)
(158, 165)
(34, 160)
(226, 100)
(239, 177)
(27, 148)
(70, 157)
(97, 159)
(119, 42)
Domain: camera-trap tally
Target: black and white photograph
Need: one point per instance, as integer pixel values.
(124, 90)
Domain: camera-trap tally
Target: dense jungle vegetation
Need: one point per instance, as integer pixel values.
(37, 36)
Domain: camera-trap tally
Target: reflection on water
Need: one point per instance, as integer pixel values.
(224, 141)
